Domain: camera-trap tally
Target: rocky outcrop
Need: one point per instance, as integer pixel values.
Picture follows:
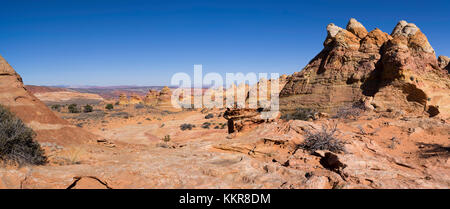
(135, 99)
(165, 98)
(48, 126)
(123, 99)
(240, 119)
(151, 98)
(411, 79)
(399, 71)
(263, 91)
(444, 63)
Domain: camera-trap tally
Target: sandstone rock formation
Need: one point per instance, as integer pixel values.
(123, 99)
(400, 71)
(264, 94)
(165, 98)
(151, 98)
(48, 126)
(444, 62)
(135, 99)
(238, 119)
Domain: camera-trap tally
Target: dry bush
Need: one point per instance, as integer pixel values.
(324, 139)
(351, 112)
(300, 114)
(16, 141)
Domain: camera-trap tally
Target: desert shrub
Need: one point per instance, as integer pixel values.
(88, 108)
(206, 125)
(139, 106)
(109, 106)
(121, 115)
(324, 139)
(354, 111)
(300, 114)
(73, 108)
(16, 141)
(56, 107)
(166, 138)
(210, 115)
(186, 126)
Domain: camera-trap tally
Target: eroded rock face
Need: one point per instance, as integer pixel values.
(242, 119)
(165, 98)
(151, 98)
(411, 79)
(135, 99)
(444, 63)
(123, 99)
(48, 126)
(398, 70)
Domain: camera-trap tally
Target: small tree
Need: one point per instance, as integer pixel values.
(109, 106)
(73, 108)
(88, 108)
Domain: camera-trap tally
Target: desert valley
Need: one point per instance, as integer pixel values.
(371, 110)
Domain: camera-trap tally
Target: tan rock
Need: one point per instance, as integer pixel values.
(399, 71)
(123, 99)
(165, 98)
(151, 98)
(48, 126)
(135, 99)
(444, 62)
(356, 28)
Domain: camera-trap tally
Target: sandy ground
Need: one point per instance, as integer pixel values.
(381, 152)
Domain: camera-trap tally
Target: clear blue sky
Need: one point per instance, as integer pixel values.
(145, 42)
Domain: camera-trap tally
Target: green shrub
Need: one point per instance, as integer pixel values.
(73, 108)
(109, 106)
(88, 108)
(206, 125)
(56, 107)
(16, 141)
(186, 126)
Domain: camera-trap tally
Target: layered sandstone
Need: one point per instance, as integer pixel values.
(123, 99)
(165, 98)
(135, 99)
(444, 62)
(398, 71)
(48, 126)
(151, 98)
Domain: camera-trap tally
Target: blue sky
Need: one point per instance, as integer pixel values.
(146, 42)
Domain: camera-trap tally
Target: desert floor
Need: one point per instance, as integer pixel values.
(146, 148)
